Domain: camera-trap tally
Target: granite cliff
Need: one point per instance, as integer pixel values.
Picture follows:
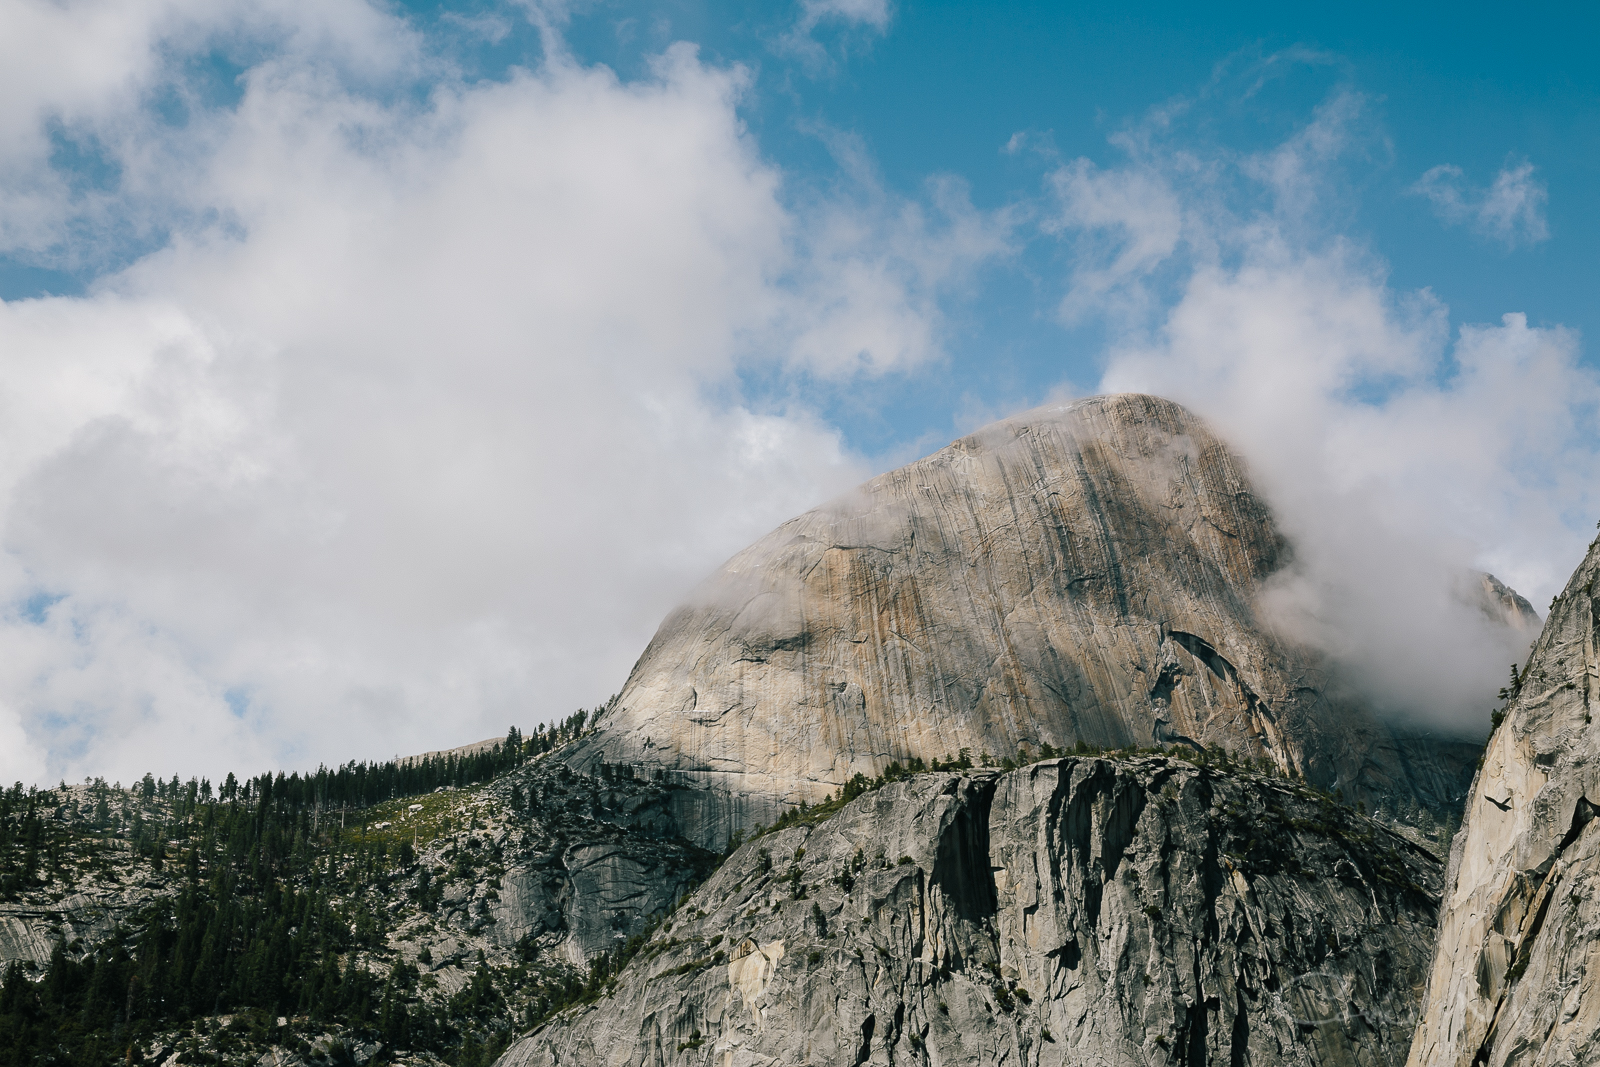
(1081, 572)
(1082, 910)
(1109, 909)
(1517, 975)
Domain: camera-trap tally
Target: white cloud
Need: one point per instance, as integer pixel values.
(878, 271)
(19, 759)
(88, 76)
(427, 410)
(871, 13)
(855, 23)
(1396, 457)
(1512, 210)
(1126, 224)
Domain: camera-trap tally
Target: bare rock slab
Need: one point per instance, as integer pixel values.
(1517, 976)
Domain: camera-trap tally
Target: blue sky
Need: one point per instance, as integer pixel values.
(378, 375)
(945, 86)
(941, 88)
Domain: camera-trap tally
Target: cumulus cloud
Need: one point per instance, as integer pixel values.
(878, 271)
(1511, 210)
(1398, 455)
(85, 82)
(421, 408)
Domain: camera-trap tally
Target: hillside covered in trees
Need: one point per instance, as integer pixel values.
(184, 916)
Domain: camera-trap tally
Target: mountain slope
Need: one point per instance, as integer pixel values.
(1082, 572)
(1119, 905)
(140, 925)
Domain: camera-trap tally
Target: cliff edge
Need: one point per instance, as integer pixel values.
(1083, 910)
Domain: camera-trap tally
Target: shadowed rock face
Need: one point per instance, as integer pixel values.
(30, 928)
(1517, 975)
(1082, 572)
(595, 858)
(1077, 911)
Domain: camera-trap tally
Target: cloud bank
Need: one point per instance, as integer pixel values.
(1398, 457)
(401, 406)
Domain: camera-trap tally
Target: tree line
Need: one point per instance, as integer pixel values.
(359, 784)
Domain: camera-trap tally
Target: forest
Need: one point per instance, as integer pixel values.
(271, 914)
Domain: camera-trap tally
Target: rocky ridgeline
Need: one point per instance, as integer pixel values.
(1517, 976)
(1079, 910)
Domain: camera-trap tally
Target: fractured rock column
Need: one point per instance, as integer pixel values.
(1516, 977)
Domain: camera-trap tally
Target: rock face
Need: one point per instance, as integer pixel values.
(1505, 605)
(1517, 975)
(1082, 572)
(589, 860)
(29, 931)
(1082, 910)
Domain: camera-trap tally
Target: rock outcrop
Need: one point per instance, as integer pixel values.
(1082, 572)
(1083, 910)
(1506, 606)
(31, 928)
(1517, 975)
(587, 861)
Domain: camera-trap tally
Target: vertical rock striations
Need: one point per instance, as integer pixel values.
(1517, 976)
(1084, 910)
(1082, 572)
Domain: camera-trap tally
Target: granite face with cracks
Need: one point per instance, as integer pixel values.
(1082, 572)
(1517, 976)
(1084, 910)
